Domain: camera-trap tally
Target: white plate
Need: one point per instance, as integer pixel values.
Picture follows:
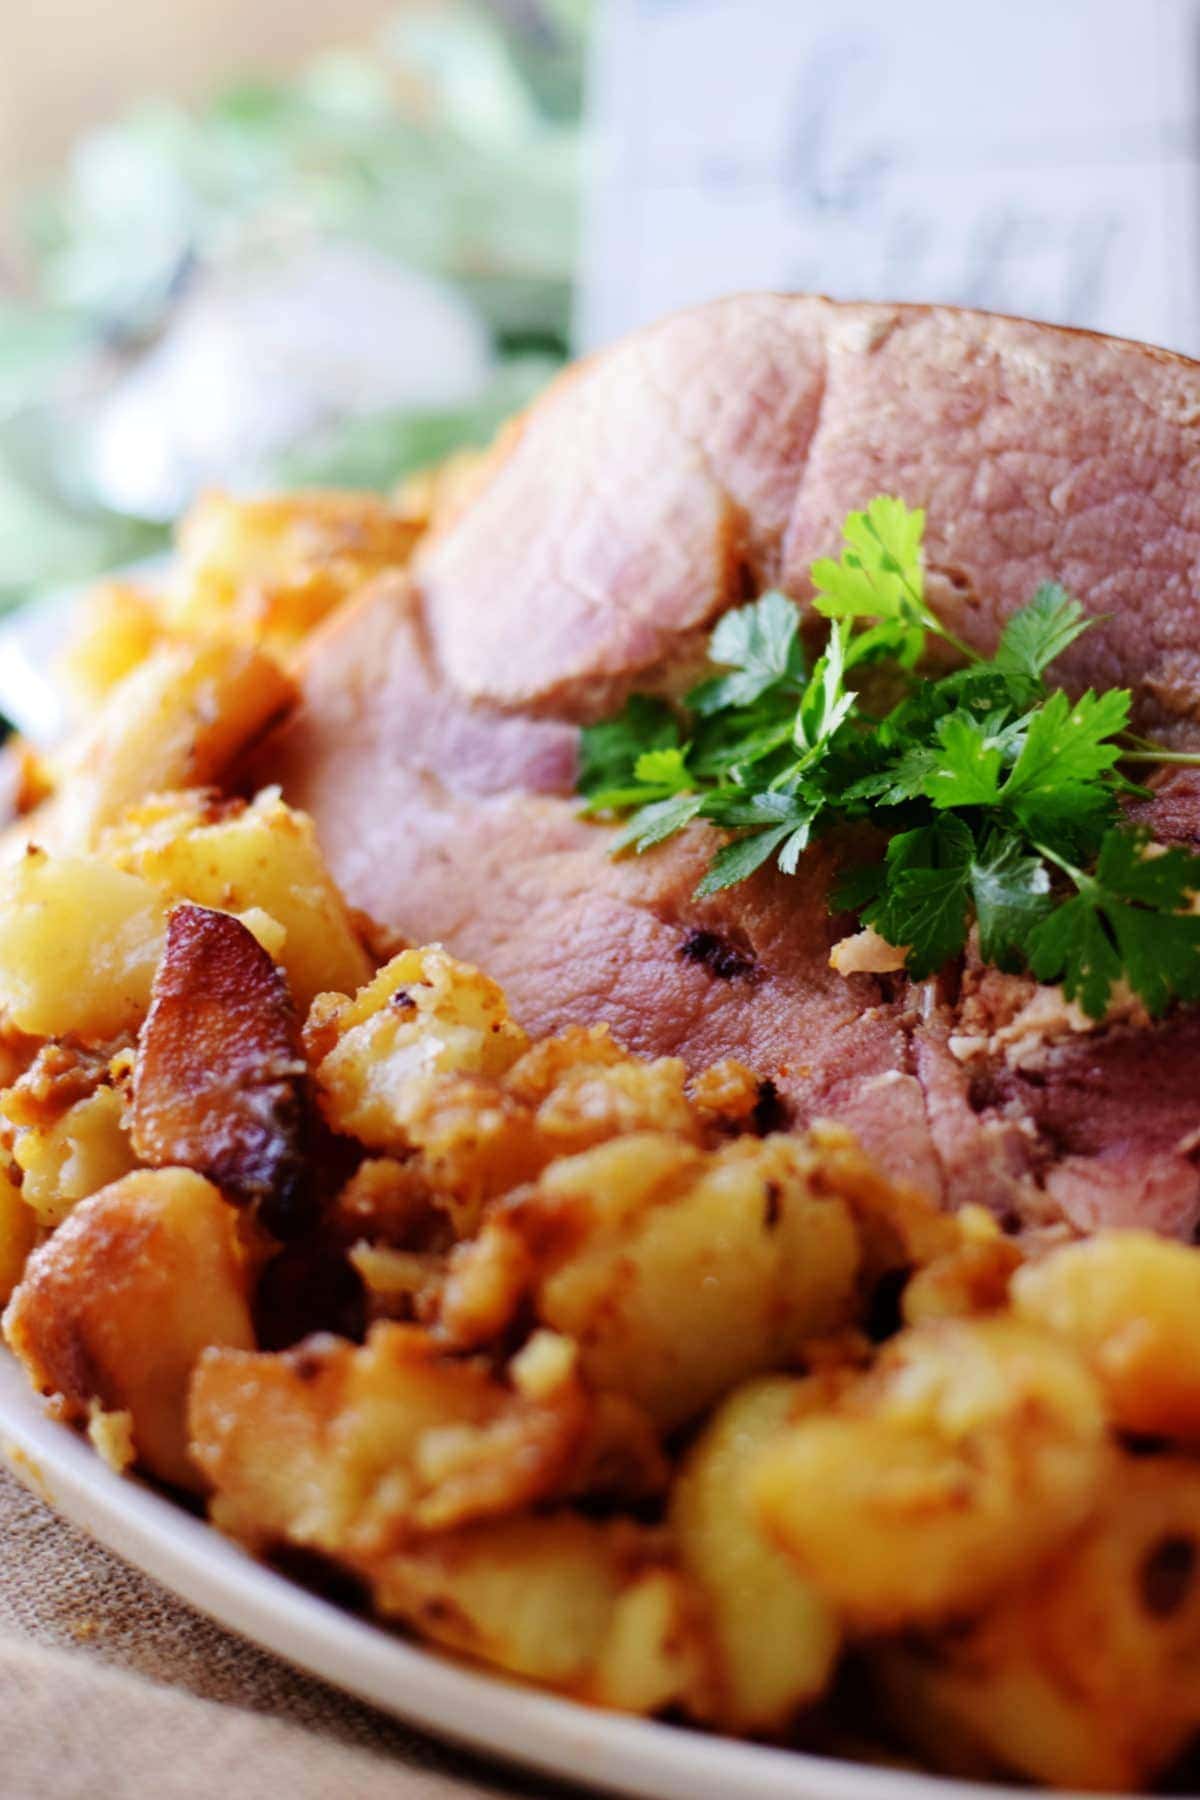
(559, 1737)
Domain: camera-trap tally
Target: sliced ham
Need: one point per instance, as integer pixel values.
(658, 484)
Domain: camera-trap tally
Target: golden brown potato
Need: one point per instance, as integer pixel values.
(120, 626)
(972, 1277)
(217, 1082)
(962, 1461)
(63, 1122)
(424, 1014)
(79, 943)
(179, 720)
(116, 1307)
(234, 857)
(266, 571)
(777, 1640)
(1089, 1675)
(351, 1451)
(679, 1272)
(1130, 1303)
(76, 1154)
(594, 1610)
(18, 1235)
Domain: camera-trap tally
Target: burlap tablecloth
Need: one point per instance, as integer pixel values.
(111, 1688)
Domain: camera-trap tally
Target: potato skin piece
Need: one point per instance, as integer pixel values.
(216, 1085)
(119, 1303)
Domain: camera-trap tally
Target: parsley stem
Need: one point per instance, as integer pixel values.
(956, 643)
(1187, 758)
(1068, 868)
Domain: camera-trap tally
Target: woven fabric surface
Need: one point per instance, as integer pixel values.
(109, 1686)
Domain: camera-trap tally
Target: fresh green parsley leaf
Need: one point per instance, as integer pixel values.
(1132, 865)
(904, 779)
(1072, 946)
(1125, 921)
(735, 861)
(998, 801)
(825, 703)
(608, 752)
(923, 905)
(1067, 745)
(1010, 889)
(761, 644)
(1039, 632)
(879, 574)
(660, 819)
(663, 768)
(967, 763)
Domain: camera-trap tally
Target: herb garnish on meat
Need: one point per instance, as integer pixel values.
(1000, 796)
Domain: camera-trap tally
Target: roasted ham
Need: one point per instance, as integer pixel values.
(658, 484)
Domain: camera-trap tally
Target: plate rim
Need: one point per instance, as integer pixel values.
(482, 1712)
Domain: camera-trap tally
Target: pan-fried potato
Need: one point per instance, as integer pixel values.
(352, 1450)
(964, 1459)
(777, 1640)
(1130, 1303)
(216, 1083)
(679, 1272)
(266, 571)
(118, 1304)
(18, 1235)
(79, 943)
(1089, 1675)
(62, 1121)
(64, 1159)
(594, 1610)
(119, 627)
(424, 1014)
(177, 721)
(234, 857)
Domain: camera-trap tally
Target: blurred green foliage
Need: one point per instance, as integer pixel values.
(451, 143)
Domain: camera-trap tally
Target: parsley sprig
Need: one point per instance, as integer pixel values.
(997, 797)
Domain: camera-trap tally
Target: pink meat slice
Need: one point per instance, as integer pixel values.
(656, 485)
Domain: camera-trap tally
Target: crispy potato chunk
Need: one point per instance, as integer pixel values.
(216, 1085)
(79, 942)
(594, 1610)
(777, 1639)
(680, 1272)
(116, 1307)
(1130, 1303)
(966, 1457)
(120, 626)
(972, 1277)
(18, 1235)
(426, 1059)
(234, 857)
(178, 720)
(352, 1451)
(1089, 1675)
(65, 1159)
(424, 1014)
(266, 571)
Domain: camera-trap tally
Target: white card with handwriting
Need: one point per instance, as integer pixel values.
(1029, 156)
